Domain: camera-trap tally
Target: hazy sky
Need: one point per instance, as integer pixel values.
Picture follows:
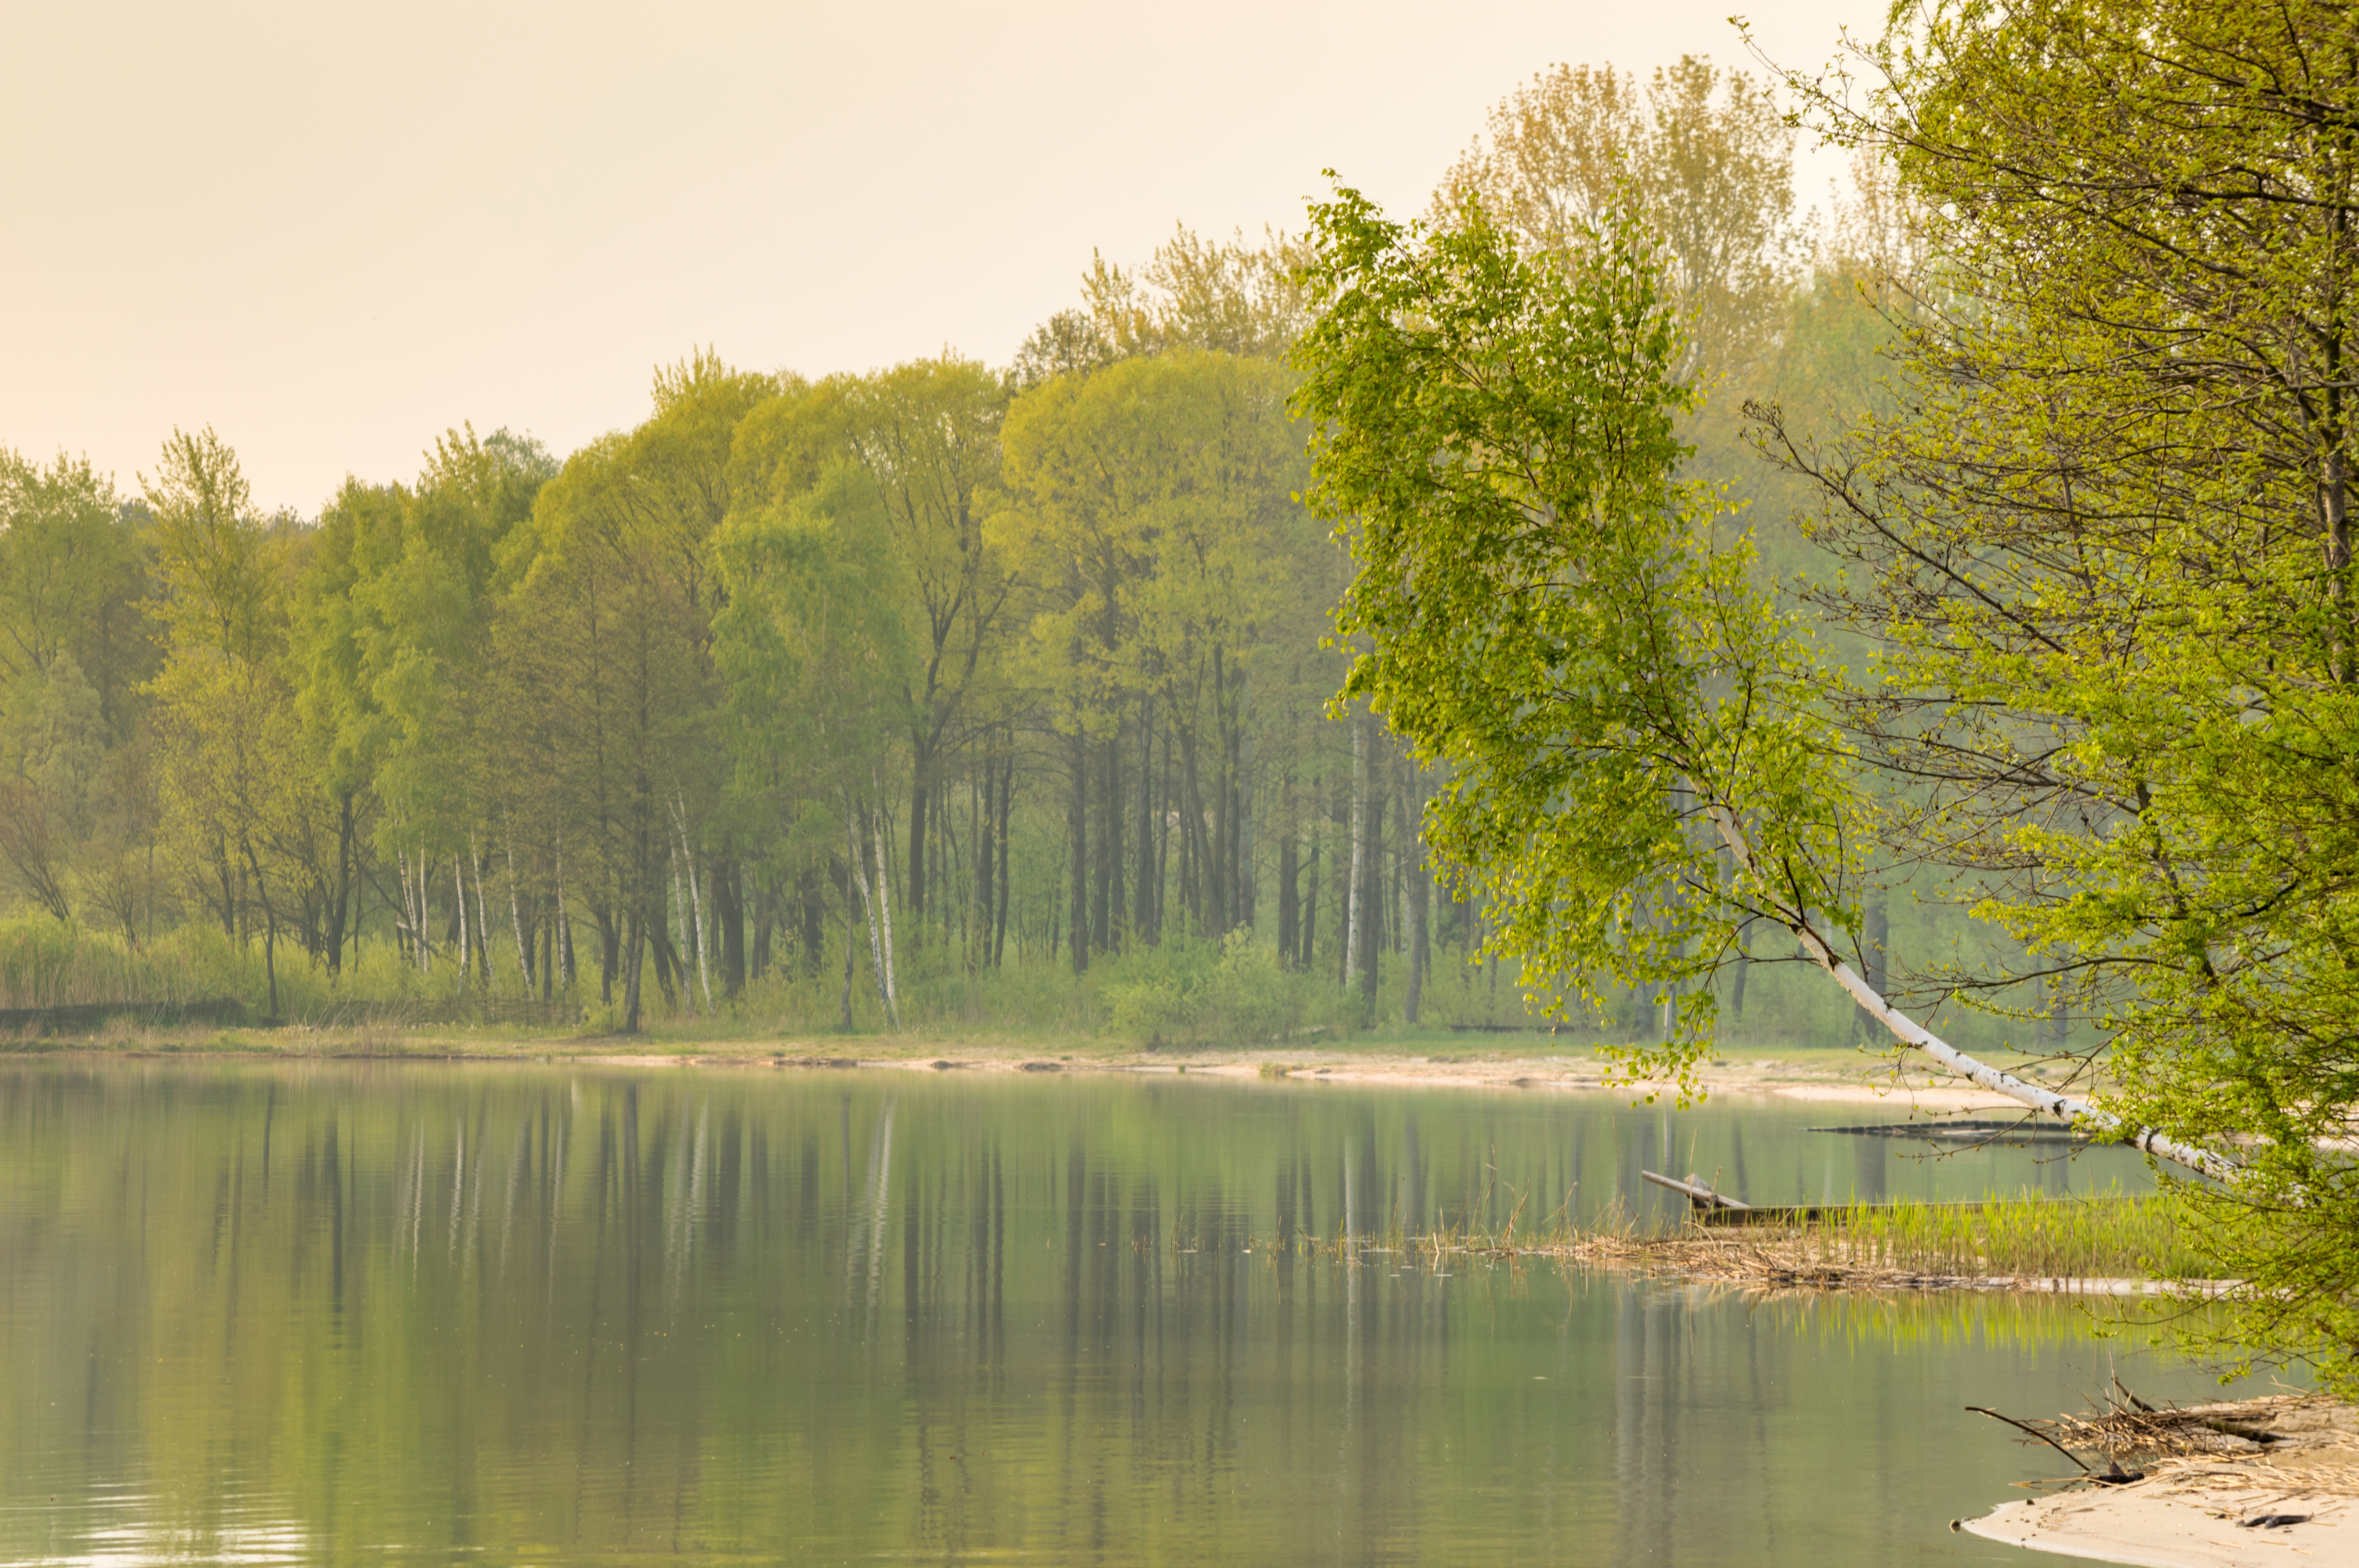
(333, 231)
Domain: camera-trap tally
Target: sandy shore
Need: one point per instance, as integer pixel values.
(2274, 1479)
(2228, 1519)
(1853, 1082)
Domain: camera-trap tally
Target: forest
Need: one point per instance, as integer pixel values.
(948, 694)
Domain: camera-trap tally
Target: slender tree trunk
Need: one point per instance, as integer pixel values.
(1006, 813)
(515, 915)
(1142, 911)
(1107, 919)
(269, 929)
(459, 890)
(728, 881)
(634, 961)
(1421, 889)
(1077, 825)
(884, 918)
(1289, 910)
(483, 923)
(812, 909)
(851, 951)
(982, 828)
(1307, 942)
(1371, 900)
(342, 902)
(922, 790)
(696, 902)
(871, 902)
(1359, 840)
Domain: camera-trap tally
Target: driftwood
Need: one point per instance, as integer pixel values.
(1699, 1194)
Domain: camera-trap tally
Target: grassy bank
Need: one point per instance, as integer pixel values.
(1183, 999)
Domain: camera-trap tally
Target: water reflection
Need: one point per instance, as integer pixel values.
(525, 1315)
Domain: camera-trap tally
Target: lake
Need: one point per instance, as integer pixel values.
(291, 1312)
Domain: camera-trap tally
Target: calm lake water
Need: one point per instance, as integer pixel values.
(301, 1313)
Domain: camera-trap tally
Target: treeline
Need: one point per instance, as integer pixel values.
(861, 688)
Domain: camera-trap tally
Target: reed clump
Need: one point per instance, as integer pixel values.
(2026, 1241)
(2110, 1234)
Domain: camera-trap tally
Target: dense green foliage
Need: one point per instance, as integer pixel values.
(941, 694)
(2099, 564)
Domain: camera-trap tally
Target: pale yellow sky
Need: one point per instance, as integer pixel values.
(332, 231)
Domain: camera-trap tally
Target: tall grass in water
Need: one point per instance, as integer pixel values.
(2107, 1236)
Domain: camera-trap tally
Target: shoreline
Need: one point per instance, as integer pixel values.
(2274, 1479)
(1835, 1079)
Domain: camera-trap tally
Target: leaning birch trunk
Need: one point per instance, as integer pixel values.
(1917, 1037)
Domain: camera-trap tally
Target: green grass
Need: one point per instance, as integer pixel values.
(2110, 1235)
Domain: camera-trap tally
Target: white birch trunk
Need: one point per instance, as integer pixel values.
(459, 886)
(1917, 1037)
(515, 915)
(696, 900)
(885, 909)
(408, 927)
(563, 956)
(859, 859)
(679, 927)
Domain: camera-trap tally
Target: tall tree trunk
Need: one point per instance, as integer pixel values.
(851, 954)
(340, 903)
(811, 903)
(981, 829)
(610, 954)
(1307, 943)
(922, 790)
(1371, 900)
(1419, 877)
(633, 960)
(1143, 921)
(1006, 813)
(1351, 921)
(515, 915)
(728, 881)
(1109, 916)
(459, 888)
(1078, 826)
(871, 901)
(1289, 872)
(884, 918)
(483, 922)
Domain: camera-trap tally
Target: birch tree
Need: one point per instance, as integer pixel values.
(1630, 726)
